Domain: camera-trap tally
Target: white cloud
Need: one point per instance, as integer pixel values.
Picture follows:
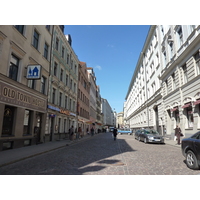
(98, 67)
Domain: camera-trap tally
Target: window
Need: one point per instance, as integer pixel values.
(190, 117)
(55, 68)
(197, 59)
(48, 27)
(66, 102)
(60, 99)
(173, 81)
(43, 83)
(14, 66)
(185, 73)
(63, 52)
(57, 43)
(53, 95)
(171, 49)
(166, 87)
(67, 79)
(31, 84)
(46, 50)
(61, 74)
(70, 84)
(20, 28)
(67, 58)
(36, 39)
(180, 35)
(27, 120)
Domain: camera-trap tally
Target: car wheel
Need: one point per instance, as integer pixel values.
(191, 160)
(139, 139)
(145, 140)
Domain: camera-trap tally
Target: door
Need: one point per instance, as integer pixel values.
(8, 120)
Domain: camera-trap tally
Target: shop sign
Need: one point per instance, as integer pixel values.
(66, 112)
(19, 97)
(53, 108)
(33, 72)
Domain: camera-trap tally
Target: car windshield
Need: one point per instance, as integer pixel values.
(152, 132)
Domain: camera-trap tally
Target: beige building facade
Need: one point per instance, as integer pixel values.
(63, 87)
(23, 101)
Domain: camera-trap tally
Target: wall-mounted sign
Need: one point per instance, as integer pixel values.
(33, 72)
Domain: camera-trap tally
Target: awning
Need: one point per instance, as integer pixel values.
(186, 105)
(173, 109)
(197, 102)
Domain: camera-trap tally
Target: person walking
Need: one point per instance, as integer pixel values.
(178, 134)
(115, 133)
(79, 133)
(92, 131)
(71, 132)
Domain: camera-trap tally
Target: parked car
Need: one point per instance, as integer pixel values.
(191, 150)
(137, 133)
(124, 131)
(150, 136)
(111, 129)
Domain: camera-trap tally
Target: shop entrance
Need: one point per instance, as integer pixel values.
(8, 120)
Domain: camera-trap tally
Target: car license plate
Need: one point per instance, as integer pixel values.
(157, 140)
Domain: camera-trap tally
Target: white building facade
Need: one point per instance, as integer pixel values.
(165, 90)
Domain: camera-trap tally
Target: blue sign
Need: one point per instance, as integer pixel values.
(33, 72)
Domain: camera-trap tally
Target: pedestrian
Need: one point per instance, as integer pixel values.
(92, 131)
(178, 134)
(114, 133)
(79, 133)
(71, 132)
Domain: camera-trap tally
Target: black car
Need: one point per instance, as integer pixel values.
(191, 150)
(150, 136)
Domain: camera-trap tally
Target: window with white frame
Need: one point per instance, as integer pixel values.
(180, 35)
(173, 81)
(185, 76)
(197, 60)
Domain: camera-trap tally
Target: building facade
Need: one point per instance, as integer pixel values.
(164, 90)
(83, 106)
(24, 75)
(63, 87)
(92, 80)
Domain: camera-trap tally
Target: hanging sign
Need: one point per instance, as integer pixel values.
(33, 72)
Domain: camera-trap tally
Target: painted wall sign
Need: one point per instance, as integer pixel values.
(33, 72)
(19, 97)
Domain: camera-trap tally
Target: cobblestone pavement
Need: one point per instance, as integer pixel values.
(101, 155)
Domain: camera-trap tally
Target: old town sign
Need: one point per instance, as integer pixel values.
(33, 71)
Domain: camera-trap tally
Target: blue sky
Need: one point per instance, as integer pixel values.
(113, 52)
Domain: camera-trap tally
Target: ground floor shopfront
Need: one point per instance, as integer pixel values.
(22, 115)
(58, 123)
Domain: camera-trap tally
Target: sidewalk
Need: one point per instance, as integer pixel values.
(14, 155)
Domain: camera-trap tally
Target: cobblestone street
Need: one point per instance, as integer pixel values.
(101, 155)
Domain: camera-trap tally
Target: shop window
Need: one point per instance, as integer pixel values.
(8, 121)
(27, 120)
(190, 117)
(177, 117)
